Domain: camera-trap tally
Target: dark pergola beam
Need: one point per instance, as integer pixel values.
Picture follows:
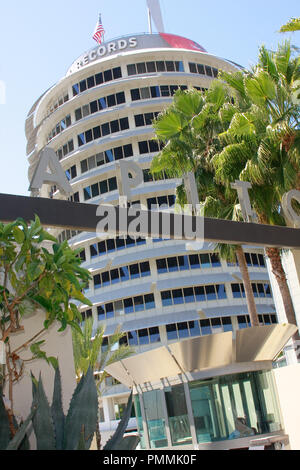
(82, 216)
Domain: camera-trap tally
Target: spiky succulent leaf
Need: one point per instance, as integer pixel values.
(57, 411)
(42, 420)
(20, 437)
(114, 441)
(82, 412)
(128, 443)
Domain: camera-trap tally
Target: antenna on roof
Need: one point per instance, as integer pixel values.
(154, 12)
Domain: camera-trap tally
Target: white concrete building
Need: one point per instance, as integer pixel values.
(159, 291)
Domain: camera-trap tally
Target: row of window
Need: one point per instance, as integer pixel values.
(101, 187)
(122, 274)
(155, 91)
(210, 292)
(193, 294)
(112, 244)
(259, 290)
(158, 201)
(203, 69)
(104, 129)
(57, 103)
(60, 126)
(132, 69)
(145, 119)
(114, 154)
(155, 66)
(183, 263)
(65, 149)
(139, 303)
(98, 79)
(253, 259)
(71, 172)
(177, 331)
(99, 105)
(67, 234)
(111, 184)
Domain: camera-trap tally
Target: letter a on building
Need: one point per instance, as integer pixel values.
(48, 160)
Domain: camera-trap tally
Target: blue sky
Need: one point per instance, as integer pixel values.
(39, 40)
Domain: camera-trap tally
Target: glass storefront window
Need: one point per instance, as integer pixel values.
(154, 415)
(178, 416)
(139, 420)
(234, 406)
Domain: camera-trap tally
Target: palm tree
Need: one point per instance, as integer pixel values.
(262, 143)
(189, 127)
(292, 25)
(88, 352)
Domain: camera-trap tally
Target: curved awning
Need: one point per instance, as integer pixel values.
(262, 343)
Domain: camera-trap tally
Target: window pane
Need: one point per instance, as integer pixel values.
(171, 331)
(139, 303)
(105, 129)
(141, 67)
(205, 327)
(236, 292)
(128, 152)
(99, 78)
(183, 263)
(94, 107)
(166, 298)
(199, 293)
(194, 328)
(135, 94)
(149, 301)
(91, 82)
(161, 66)
(102, 248)
(120, 97)
(210, 292)
(95, 190)
(172, 264)
(108, 75)
(221, 292)
(132, 338)
(134, 271)
(131, 69)
(194, 261)
(143, 336)
(96, 132)
(128, 305)
(103, 187)
(111, 100)
(105, 278)
(154, 334)
(93, 250)
(205, 260)
(177, 296)
(151, 67)
(117, 73)
(124, 123)
(188, 293)
(145, 93)
(161, 266)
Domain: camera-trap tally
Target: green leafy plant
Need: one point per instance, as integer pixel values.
(54, 430)
(88, 352)
(35, 277)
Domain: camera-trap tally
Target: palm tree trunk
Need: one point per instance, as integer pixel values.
(247, 286)
(279, 273)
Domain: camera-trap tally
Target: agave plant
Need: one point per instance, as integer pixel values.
(54, 430)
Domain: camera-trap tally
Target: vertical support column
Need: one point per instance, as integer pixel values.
(190, 414)
(165, 410)
(145, 427)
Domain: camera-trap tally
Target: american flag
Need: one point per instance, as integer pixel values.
(99, 31)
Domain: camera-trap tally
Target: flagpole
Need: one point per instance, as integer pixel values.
(149, 21)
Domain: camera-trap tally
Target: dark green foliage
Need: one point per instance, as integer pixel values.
(117, 441)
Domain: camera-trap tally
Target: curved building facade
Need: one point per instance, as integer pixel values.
(159, 291)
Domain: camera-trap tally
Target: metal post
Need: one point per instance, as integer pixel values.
(149, 21)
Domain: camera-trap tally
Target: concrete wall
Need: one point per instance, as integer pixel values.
(58, 345)
(287, 380)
